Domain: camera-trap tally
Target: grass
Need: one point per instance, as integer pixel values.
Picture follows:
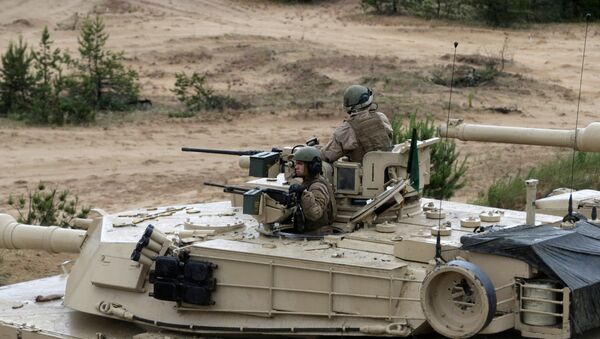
(509, 192)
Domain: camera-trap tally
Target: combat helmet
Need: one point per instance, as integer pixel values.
(357, 97)
(310, 156)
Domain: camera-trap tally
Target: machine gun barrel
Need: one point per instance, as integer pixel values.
(228, 188)
(280, 196)
(226, 152)
(586, 139)
(14, 235)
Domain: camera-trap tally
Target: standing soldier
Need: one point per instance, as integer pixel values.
(316, 202)
(363, 131)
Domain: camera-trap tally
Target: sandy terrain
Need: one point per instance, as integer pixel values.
(291, 64)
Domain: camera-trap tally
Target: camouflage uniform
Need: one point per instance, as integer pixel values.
(361, 132)
(318, 203)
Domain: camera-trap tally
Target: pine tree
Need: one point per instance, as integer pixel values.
(16, 81)
(106, 83)
(91, 48)
(48, 66)
(447, 172)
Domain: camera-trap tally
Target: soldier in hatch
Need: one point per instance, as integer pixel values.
(316, 202)
(363, 131)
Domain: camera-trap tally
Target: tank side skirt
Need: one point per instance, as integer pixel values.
(331, 272)
(249, 329)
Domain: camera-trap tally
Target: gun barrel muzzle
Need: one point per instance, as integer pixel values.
(585, 139)
(14, 235)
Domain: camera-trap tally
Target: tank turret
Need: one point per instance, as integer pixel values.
(586, 139)
(14, 235)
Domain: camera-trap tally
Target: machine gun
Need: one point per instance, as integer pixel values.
(282, 197)
(267, 205)
(260, 164)
(227, 152)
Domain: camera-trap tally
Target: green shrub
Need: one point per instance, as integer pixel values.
(509, 192)
(196, 95)
(47, 207)
(382, 6)
(464, 76)
(447, 173)
(75, 105)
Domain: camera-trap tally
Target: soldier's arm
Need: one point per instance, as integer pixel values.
(386, 123)
(314, 202)
(331, 151)
(342, 141)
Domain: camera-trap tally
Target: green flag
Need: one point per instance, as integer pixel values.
(413, 161)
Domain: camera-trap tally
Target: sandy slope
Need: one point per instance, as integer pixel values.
(547, 52)
(120, 165)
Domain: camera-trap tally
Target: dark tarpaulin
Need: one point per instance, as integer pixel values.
(571, 256)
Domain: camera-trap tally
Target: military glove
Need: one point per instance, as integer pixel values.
(296, 189)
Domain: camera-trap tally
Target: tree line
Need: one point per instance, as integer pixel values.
(492, 12)
(46, 85)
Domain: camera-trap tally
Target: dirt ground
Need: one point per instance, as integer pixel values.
(290, 63)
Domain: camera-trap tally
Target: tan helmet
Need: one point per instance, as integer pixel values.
(312, 157)
(357, 97)
(307, 154)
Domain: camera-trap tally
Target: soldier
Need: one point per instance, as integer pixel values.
(363, 131)
(316, 202)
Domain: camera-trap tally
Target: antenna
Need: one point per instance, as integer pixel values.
(570, 216)
(438, 241)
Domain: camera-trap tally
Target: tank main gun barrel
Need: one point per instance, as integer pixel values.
(224, 151)
(586, 139)
(14, 235)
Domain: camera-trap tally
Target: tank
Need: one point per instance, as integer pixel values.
(392, 264)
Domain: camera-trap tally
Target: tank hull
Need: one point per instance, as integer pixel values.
(365, 283)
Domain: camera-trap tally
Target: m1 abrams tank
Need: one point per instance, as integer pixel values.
(393, 264)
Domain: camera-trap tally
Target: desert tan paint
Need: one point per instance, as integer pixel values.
(368, 280)
(14, 235)
(586, 139)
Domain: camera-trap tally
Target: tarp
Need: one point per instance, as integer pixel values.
(571, 256)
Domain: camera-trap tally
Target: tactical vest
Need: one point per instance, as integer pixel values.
(370, 133)
(327, 217)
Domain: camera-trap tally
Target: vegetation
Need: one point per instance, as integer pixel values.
(196, 95)
(509, 192)
(16, 82)
(472, 69)
(47, 86)
(447, 173)
(47, 207)
(464, 75)
(496, 13)
(48, 64)
(105, 83)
